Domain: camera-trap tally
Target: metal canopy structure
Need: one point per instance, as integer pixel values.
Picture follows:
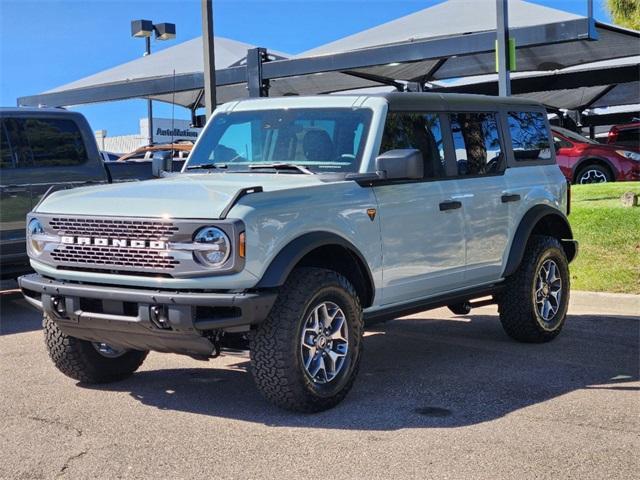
(450, 40)
(602, 84)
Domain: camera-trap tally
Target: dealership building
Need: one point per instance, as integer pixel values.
(165, 130)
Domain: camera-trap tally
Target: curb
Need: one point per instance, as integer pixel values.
(611, 303)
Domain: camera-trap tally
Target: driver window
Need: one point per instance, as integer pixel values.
(477, 144)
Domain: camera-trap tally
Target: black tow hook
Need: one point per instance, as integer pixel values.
(159, 316)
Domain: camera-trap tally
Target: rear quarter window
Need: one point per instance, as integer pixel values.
(529, 136)
(47, 142)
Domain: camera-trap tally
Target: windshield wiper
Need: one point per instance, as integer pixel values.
(282, 166)
(206, 165)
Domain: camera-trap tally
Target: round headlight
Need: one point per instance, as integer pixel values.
(35, 228)
(220, 247)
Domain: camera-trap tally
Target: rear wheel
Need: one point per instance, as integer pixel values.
(594, 174)
(89, 362)
(305, 356)
(533, 305)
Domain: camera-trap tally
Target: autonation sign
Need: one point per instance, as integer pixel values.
(165, 129)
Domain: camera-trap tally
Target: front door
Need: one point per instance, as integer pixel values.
(422, 224)
(15, 201)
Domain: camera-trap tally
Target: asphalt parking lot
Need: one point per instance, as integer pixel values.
(438, 396)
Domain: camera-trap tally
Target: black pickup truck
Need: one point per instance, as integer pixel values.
(42, 148)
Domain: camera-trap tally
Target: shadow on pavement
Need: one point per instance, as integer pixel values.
(421, 374)
(16, 316)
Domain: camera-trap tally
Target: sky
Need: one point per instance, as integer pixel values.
(47, 43)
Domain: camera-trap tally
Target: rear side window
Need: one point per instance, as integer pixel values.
(477, 144)
(529, 137)
(420, 131)
(46, 142)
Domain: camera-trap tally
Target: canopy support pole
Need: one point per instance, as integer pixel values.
(504, 77)
(257, 85)
(209, 57)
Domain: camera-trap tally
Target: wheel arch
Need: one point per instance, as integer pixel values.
(540, 220)
(324, 250)
(593, 160)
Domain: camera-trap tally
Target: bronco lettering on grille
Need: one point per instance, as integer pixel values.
(114, 242)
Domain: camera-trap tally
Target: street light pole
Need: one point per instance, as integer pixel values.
(163, 31)
(149, 102)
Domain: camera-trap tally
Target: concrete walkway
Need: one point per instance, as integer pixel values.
(605, 303)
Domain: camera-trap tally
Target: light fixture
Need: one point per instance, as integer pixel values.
(165, 31)
(143, 28)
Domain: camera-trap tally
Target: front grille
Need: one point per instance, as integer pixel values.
(111, 256)
(114, 228)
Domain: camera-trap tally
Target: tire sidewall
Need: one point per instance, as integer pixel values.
(336, 294)
(557, 321)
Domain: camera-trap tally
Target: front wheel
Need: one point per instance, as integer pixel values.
(305, 355)
(533, 305)
(89, 362)
(593, 174)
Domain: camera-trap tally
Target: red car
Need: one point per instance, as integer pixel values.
(586, 161)
(627, 135)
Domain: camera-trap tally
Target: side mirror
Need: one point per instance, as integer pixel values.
(162, 161)
(556, 146)
(400, 164)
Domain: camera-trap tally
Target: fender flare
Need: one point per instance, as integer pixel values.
(525, 229)
(285, 261)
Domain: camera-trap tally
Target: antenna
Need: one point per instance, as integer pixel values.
(173, 112)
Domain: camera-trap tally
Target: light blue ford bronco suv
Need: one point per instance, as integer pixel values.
(295, 222)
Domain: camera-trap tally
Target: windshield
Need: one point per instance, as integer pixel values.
(573, 136)
(319, 139)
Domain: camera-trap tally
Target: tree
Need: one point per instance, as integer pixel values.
(625, 13)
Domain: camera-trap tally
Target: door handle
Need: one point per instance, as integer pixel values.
(510, 197)
(450, 205)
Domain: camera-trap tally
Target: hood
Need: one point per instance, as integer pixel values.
(180, 196)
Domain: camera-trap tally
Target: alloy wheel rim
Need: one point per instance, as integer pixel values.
(548, 294)
(107, 350)
(324, 342)
(593, 176)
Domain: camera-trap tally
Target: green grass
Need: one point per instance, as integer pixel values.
(609, 236)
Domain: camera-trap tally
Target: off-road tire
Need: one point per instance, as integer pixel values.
(516, 304)
(80, 360)
(277, 364)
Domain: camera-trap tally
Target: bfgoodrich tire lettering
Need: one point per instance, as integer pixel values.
(80, 359)
(524, 314)
(276, 353)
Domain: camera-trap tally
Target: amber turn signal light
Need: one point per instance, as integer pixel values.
(242, 245)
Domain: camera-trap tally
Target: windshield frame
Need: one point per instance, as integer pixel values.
(202, 151)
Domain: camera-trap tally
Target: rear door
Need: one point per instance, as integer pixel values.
(15, 198)
(480, 182)
(422, 229)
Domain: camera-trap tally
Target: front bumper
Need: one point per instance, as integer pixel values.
(145, 319)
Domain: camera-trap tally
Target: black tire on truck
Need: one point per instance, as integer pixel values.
(305, 356)
(533, 305)
(89, 362)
